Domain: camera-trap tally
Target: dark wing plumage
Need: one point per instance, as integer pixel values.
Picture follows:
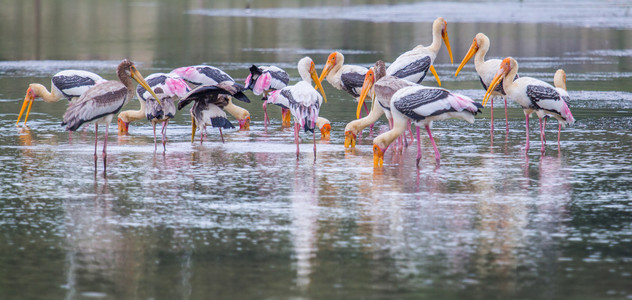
(215, 74)
(153, 110)
(99, 101)
(67, 83)
(537, 93)
(281, 76)
(152, 82)
(419, 66)
(207, 94)
(407, 104)
(352, 83)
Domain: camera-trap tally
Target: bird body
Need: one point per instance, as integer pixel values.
(533, 95)
(69, 84)
(414, 64)
(302, 99)
(100, 103)
(423, 105)
(265, 79)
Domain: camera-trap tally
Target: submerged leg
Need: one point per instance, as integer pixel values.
(437, 155)
(221, 134)
(164, 134)
(559, 130)
(265, 113)
(314, 132)
(154, 125)
(96, 139)
(527, 130)
(492, 117)
(296, 129)
(418, 146)
(542, 141)
(105, 141)
(506, 118)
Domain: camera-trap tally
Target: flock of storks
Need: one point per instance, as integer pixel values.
(396, 92)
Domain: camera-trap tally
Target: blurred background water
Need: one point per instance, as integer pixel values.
(244, 219)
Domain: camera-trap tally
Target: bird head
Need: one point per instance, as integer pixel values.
(444, 35)
(123, 127)
(350, 139)
(130, 69)
(314, 75)
(559, 79)
(333, 59)
(28, 99)
(470, 52)
(378, 155)
(505, 66)
(369, 81)
(244, 124)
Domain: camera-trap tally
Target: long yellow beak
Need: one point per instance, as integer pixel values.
(193, 128)
(312, 72)
(27, 99)
(497, 78)
(467, 57)
(378, 156)
(331, 61)
(286, 117)
(350, 139)
(446, 40)
(139, 78)
(434, 73)
(369, 81)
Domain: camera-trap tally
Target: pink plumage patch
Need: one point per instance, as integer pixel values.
(566, 113)
(176, 87)
(247, 83)
(460, 103)
(262, 84)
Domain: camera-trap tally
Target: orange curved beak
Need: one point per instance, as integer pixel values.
(139, 78)
(312, 72)
(350, 139)
(446, 40)
(468, 56)
(325, 132)
(331, 62)
(369, 81)
(502, 71)
(378, 156)
(434, 73)
(30, 96)
(123, 127)
(286, 117)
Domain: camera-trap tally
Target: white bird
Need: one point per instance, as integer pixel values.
(348, 78)
(169, 87)
(486, 70)
(559, 81)
(265, 79)
(100, 103)
(204, 75)
(382, 86)
(69, 84)
(532, 94)
(423, 105)
(302, 99)
(414, 64)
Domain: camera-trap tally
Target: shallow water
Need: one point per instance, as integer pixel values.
(245, 219)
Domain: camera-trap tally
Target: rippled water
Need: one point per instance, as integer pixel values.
(245, 219)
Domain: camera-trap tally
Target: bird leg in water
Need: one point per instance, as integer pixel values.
(314, 133)
(527, 126)
(105, 142)
(506, 118)
(154, 125)
(437, 155)
(559, 130)
(410, 130)
(542, 142)
(96, 139)
(296, 129)
(265, 114)
(418, 146)
(492, 117)
(164, 134)
(221, 134)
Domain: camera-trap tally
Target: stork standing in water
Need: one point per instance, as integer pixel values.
(423, 105)
(414, 64)
(100, 103)
(69, 84)
(532, 94)
(343, 77)
(265, 79)
(209, 102)
(559, 81)
(170, 87)
(204, 75)
(302, 99)
(383, 87)
(486, 70)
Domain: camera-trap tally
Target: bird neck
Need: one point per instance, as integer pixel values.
(479, 58)
(125, 78)
(437, 40)
(356, 126)
(385, 139)
(41, 91)
(508, 81)
(236, 111)
(559, 81)
(133, 115)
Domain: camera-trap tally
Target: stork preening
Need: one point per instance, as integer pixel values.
(69, 84)
(264, 80)
(423, 105)
(535, 96)
(486, 70)
(303, 100)
(100, 103)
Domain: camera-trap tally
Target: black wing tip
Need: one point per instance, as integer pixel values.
(255, 70)
(221, 122)
(480, 107)
(183, 103)
(241, 97)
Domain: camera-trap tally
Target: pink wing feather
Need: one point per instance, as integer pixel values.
(262, 84)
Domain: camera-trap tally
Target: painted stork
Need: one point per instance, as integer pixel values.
(69, 84)
(559, 81)
(302, 99)
(423, 105)
(532, 94)
(486, 70)
(325, 128)
(204, 75)
(170, 88)
(383, 87)
(100, 103)
(348, 78)
(265, 79)
(414, 64)
(209, 102)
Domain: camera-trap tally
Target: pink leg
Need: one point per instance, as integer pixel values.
(542, 131)
(559, 130)
(154, 125)
(527, 126)
(96, 139)
(492, 112)
(410, 130)
(314, 132)
(506, 118)
(437, 155)
(105, 142)
(164, 135)
(202, 131)
(221, 134)
(418, 146)
(366, 109)
(541, 137)
(265, 113)
(371, 129)
(296, 129)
